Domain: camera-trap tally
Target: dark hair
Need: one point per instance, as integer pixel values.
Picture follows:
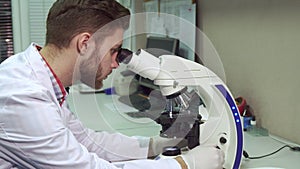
(68, 18)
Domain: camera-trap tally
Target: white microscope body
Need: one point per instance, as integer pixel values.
(221, 121)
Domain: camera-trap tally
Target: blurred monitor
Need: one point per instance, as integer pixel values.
(158, 46)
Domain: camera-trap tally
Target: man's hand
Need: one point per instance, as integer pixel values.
(202, 157)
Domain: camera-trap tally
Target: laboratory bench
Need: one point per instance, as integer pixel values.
(102, 112)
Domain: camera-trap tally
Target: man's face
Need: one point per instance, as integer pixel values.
(100, 59)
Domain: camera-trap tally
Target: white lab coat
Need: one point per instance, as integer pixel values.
(36, 132)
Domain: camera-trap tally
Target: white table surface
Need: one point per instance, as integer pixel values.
(261, 145)
(105, 112)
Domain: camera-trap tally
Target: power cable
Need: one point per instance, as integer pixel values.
(293, 148)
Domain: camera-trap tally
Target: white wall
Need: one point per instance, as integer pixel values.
(29, 22)
(20, 25)
(259, 44)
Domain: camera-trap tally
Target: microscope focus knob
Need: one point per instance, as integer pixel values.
(171, 151)
(223, 140)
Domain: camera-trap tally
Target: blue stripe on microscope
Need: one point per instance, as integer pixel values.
(238, 125)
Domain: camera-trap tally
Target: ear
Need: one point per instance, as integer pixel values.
(82, 42)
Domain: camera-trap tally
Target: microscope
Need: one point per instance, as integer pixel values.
(199, 106)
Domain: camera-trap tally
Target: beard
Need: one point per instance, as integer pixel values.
(91, 77)
(90, 72)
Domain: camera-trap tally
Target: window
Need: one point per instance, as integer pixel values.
(38, 11)
(6, 35)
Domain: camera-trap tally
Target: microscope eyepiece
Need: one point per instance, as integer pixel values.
(124, 55)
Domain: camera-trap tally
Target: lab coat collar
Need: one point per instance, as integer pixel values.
(58, 88)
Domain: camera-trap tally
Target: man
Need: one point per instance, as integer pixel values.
(37, 130)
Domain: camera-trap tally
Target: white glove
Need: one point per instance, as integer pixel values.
(157, 144)
(204, 157)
